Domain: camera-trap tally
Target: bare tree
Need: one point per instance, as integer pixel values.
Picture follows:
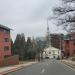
(65, 15)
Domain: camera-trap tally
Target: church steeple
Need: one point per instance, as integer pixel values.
(47, 29)
(48, 35)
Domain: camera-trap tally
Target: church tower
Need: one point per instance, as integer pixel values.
(48, 36)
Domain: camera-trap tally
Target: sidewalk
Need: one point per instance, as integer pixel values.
(69, 63)
(6, 70)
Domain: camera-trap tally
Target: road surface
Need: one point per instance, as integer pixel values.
(48, 67)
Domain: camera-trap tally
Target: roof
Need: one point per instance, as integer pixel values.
(4, 27)
(66, 37)
(52, 49)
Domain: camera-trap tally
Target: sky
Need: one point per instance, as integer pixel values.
(27, 16)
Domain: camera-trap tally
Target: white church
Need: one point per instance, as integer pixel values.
(51, 52)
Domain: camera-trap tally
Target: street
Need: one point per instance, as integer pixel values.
(47, 67)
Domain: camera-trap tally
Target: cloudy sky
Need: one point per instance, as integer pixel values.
(27, 16)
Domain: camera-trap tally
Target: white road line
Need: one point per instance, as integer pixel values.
(43, 70)
(47, 64)
(67, 66)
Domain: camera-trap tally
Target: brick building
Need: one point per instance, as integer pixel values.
(69, 44)
(57, 41)
(5, 42)
(6, 57)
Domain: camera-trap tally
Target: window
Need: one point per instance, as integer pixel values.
(6, 48)
(74, 43)
(6, 40)
(67, 42)
(74, 51)
(6, 31)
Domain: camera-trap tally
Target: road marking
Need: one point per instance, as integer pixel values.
(47, 64)
(43, 70)
(68, 66)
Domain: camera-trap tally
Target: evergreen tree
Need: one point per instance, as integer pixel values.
(22, 46)
(19, 46)
(12, 51)
(31, 49)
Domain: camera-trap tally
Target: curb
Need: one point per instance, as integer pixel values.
(16, 69)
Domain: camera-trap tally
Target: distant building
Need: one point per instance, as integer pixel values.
(5, 42)
(51, 52)
(54, 44)
(57, 40)
(69, 44)
(54, 39)
(40, 39)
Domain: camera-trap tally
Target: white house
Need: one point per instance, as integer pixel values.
(51, 52)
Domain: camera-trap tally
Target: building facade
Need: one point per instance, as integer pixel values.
(69, 44)
(52, 52)
(57, 41)
(5, 42)
(6, 57)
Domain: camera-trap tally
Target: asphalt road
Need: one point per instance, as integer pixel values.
(48, 67)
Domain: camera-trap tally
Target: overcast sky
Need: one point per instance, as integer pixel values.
(27, 16)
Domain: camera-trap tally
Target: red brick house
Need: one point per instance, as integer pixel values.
(6, 57)
(5, 42)
(69, 44)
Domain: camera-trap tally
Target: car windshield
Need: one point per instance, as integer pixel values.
(37, 37)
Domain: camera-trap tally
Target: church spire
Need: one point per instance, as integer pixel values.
(47, 28)
(48, 35)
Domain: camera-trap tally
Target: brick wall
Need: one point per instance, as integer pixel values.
(69, 47)
(12, 60)
(3, 35)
